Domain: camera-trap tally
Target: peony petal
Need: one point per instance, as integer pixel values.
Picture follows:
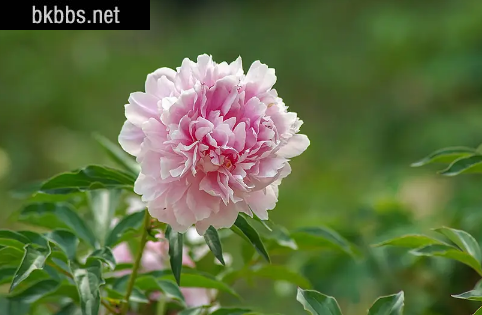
(296, 145)
(130, 138)
(141, 107)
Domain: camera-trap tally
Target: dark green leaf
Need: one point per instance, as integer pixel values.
(35, 291)
(35, 238)
(136, 295)
(445, 155)
(118, 155)
(212, 240)
(176, 241)
(13, 239)
(132, 221)
(251, 234)
(150, 283)
(388, 305)
(9, 307)
(103, 203)
(317, 303)
(471, 164)
(33, 259)
(69, 309)
(105, 255)
(88, 178)
(463, 240)
(231, 311)
(322, 237)
(57, 215)
(448, 252)
(411, 241)
(65, 240)
(88, 280)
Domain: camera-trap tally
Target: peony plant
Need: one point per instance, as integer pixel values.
(202, 154)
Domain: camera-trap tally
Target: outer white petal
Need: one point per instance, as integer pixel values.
(131, 138)
(296, 145)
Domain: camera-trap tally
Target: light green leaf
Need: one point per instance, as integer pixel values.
(6, 274)
(65, 240)
(317, 303)
(176, 241)
(105, 255)
(192, 311)
(88, 178)
(281, 236)
(13, 239)
(231, 311)
(448, 252)
(150, 283)
(470, 164)
(33, 259)
(411, 241)
(103, 203)
(35, 291)
(35, 238)
(212, 240)
(10, 256)
(473, 295)
(192, 278)
(388, 305)
(136, 295)
(88, 281)
(445, 155)
(118, 155)
(478, 312)
(57, 215)
(130, 222)
(278, 272)
(463, 240)
(251, 235)
(323, 237)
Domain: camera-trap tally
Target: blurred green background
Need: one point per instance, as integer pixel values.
(379, 84)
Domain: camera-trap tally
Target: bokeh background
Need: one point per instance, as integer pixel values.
(379, 84)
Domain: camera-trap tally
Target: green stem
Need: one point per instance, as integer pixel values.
(137, 263)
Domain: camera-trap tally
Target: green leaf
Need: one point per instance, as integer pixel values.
(105, 255)
(192, 278)
(231, 311)
(13, 239)
(36, 291)
(57, 215)
(65, 240)
(88, 178)
(471, 164)
(176, 241)
(136, 295)
(278, 272)
(130, 222)
(118, 155)
(35, 238)
(282, 236)
(317, 303)
(88, 280)
(69, 309)
(6, 274)
(150, 283)
(388, 305)
(212, 240)
(411, 241)
(463, 240)
(323, 237)
(10, 255)
(253, 237)
(473, 295)
(9, 307)
(445, 155)
(448, 252)
(103, 203)
(33, 259)
(478, 312)
(192, 311)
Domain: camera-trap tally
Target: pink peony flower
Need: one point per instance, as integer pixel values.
(211, 142)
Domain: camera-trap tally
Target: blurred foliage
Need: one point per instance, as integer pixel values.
(378, 84)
